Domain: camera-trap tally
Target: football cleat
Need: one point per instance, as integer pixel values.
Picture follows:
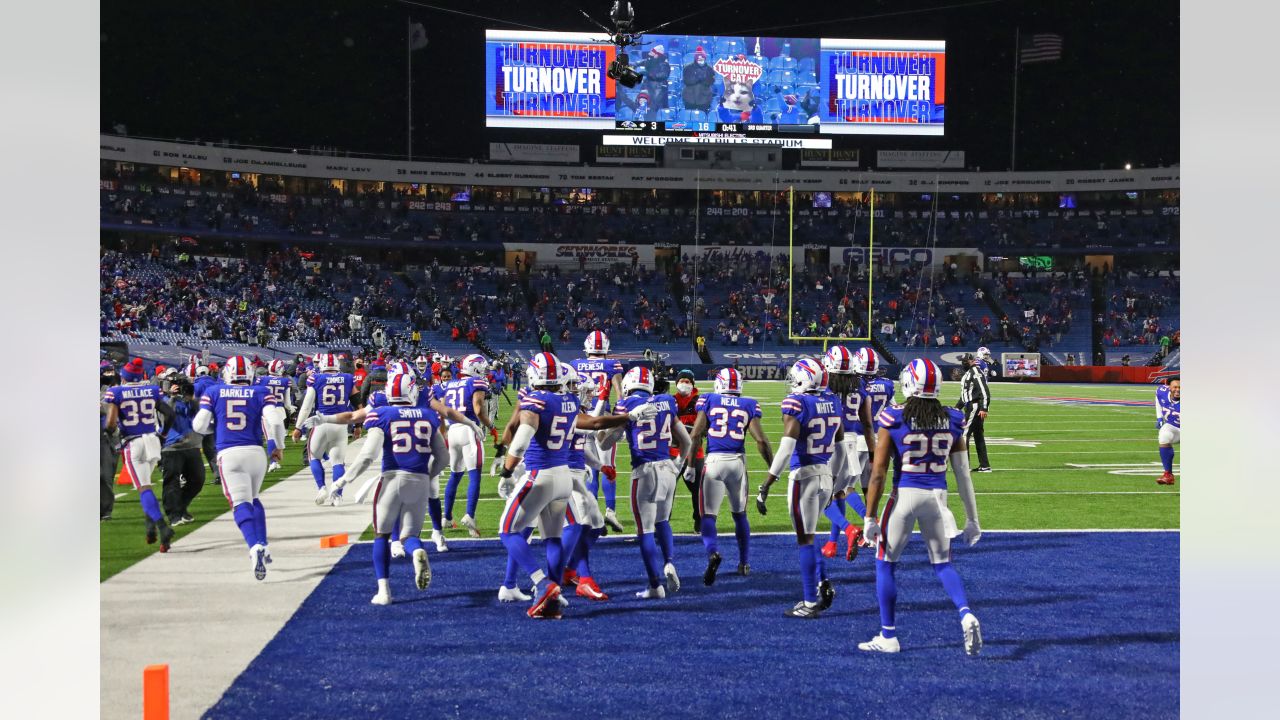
(257, 555)
(273, 466)
(151, 532)
(673, 580)
(744, 569)
(713, 564)
(972, 634)
(166, 537)
(804, 611)
(322, 496)
(437, 537)
(1166, 479)
(829, 549)
(506, 595)
(569, 579)
(421, 569)
(826, 594)
(397, 549)
(550, 598)
(653, 593)
(588, 589)
(266, 554)
(382, 598)
(853, 535)
(880, 643)
(469, 523)
(611, 519)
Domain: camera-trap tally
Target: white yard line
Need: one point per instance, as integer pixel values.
(198, 608)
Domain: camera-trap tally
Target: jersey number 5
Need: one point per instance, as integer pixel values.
(409, 435)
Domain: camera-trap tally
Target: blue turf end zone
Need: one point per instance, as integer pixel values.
(1076, 624)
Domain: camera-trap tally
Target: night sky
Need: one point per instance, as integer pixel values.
(298, 74)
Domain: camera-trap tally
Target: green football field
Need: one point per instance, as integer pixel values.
(1065, 457)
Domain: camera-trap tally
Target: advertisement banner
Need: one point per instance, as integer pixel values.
(896, 256)
(786, 143)
(921, 159)
(212, 157)
(539, 79)
(830, 158)
(567, 255)
(533, 152)
(626, 155)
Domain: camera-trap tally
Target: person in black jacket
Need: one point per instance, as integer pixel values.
(698, 78)
(975, 401)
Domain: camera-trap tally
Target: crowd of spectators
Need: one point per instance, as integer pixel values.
(1141, 310)
(390, 216)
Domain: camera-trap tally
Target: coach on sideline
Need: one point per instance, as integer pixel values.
(975, 401)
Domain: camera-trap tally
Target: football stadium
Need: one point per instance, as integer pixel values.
(455, 357)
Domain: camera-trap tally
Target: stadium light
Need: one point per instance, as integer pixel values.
(1127, 166)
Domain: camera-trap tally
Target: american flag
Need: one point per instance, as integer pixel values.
(1040, 48)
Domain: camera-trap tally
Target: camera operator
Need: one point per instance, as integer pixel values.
(180, 459)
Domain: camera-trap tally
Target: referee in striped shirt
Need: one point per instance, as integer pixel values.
(975, 401)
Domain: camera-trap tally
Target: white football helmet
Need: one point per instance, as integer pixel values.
(597, 343)
(570, 382)
(422, 362)
(237, 371)
(402, 389)
(866, 362)
(839, 360)
(728, 382)
(807, 375)
(545, 370)
(328, 363)
(921, 378)
(984, 353)
(637, 378)
(587, 389)
(202, 371)
(474, 365)
(398, 367)
(276, 367)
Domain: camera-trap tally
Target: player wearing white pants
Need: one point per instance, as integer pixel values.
(331, 439)
(540, 496)
(582, 504)
(466, 453)
(725, 477)
(241, 470)
(1169, 435)
(849, 473)
(401, 499)
(903, 510)
(653, 491)
(140, 455)
(808, 492)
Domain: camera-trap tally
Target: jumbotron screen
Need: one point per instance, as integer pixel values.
(693, 87)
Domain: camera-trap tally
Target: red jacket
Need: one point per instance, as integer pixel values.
(686, 414)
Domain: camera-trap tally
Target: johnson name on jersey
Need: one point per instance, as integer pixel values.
(921, 453)
(727, 420)
(406, 436)
(650, 439)
(820, 416)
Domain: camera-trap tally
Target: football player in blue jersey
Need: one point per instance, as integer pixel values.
(653, 473)
(137, 408)
(280, 386)
(467, 395)
(584, 523)
(811, 444)
(328, 393)
(605, 373)
(235, 412)
(725, 418)
(423, 399)
(1168, 424)
(413, 452)
(842, 366)
(922, 437)
(543, 441)
(986, 362)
